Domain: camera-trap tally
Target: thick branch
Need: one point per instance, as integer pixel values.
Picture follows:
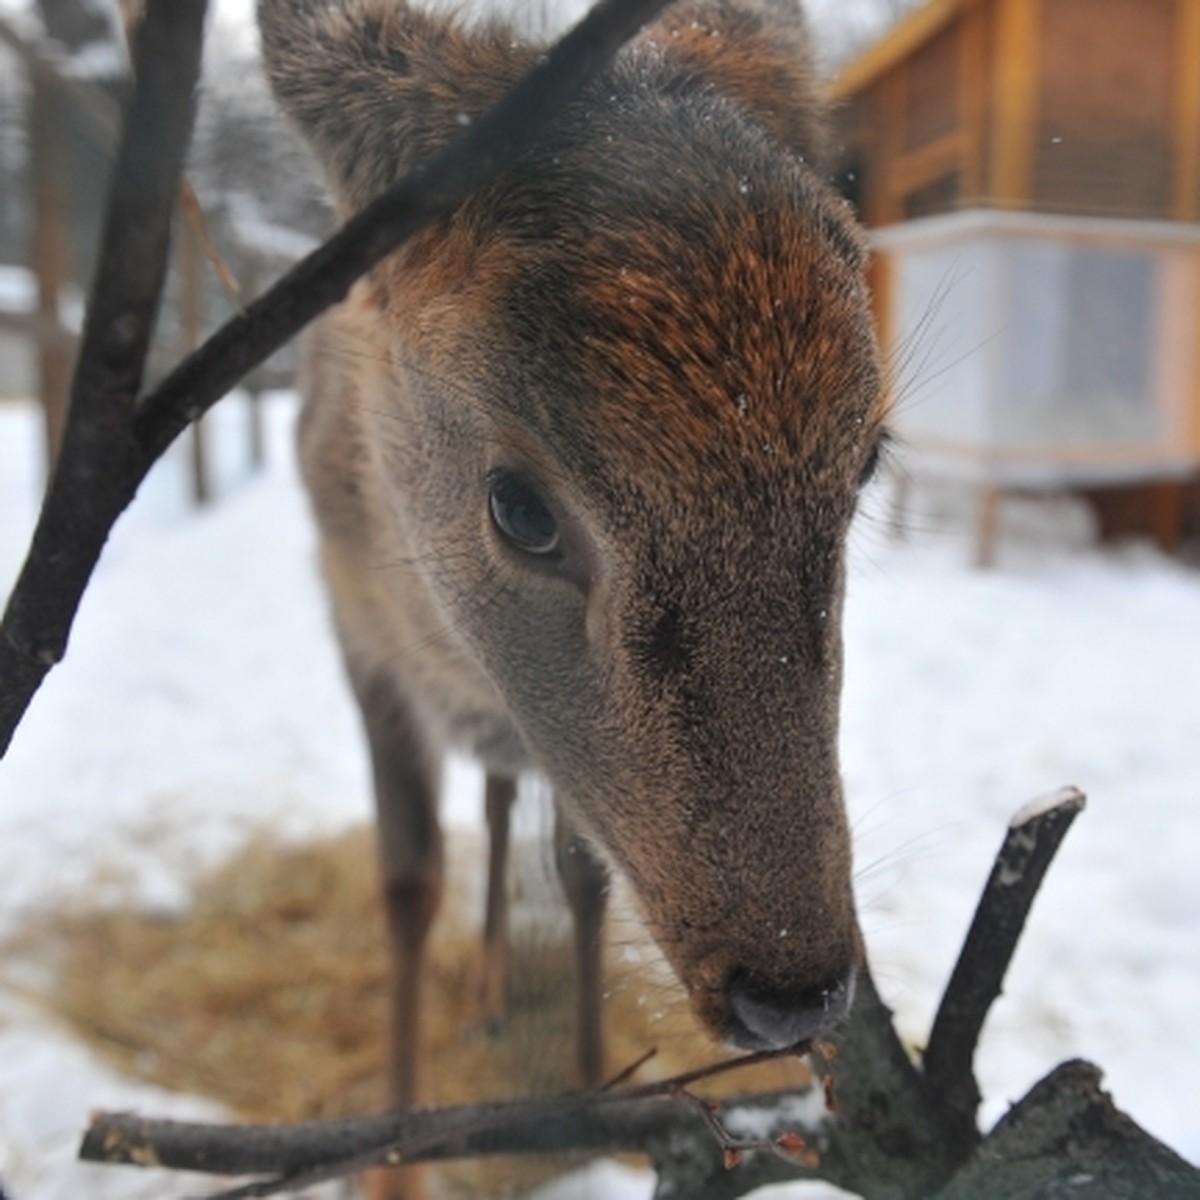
(886, 1128)
(877, 1127)
(99, 466)
(481, 152)
(86, 500)
(1066, 1138)
(629, 1119)
(1029, 846)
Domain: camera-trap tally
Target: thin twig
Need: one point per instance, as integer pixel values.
(789, 1146)
(193, 214)
(1030, 843)
(627, 1073)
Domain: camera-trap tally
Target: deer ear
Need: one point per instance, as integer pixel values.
(376, 87)
(759, 54)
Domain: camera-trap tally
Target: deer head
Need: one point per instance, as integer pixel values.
(620, 406)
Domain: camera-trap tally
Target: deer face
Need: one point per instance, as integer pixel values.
(631, 392)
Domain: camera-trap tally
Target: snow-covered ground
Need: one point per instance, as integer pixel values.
(201, 700)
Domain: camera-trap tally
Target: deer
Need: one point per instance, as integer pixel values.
(584, 457)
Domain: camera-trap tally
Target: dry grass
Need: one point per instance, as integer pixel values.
(269, 995)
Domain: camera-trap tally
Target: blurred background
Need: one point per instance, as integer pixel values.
(1024, 607)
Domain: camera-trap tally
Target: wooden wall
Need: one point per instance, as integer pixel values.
(1102, 139)
(1079, 106)
(1088, 107)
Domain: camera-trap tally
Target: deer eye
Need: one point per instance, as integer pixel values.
(876, 455)
(521, 516)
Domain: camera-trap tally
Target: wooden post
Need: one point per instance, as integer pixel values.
(51, 251)
(1194, 413)
(986, 527)
(1185, 136)
(972, 101)
(191, 322)
(1014, 101)
(888, 206)
(1166, 515)
(254, 381)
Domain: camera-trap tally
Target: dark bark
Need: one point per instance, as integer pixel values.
(99, 466)
(874, 1123)
(114, 438)
(899, 1131)
(322, 279)
(1029, 845)
(599, 1121)
(1067, 1139)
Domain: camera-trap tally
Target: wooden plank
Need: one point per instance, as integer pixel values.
(898, 44)
(49, 117)
(973, 80)
(1185, 192)
(1195, 389)
(930, 162)
(191, 325)
(1014, 101)
(882, 283)
(934, 88)
(888, 205)
(1106, 100)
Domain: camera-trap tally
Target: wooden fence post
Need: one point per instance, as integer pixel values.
(51, 251)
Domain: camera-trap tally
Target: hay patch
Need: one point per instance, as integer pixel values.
(269, 993)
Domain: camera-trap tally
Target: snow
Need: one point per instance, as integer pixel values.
(252, 228)
(967, 694)
(602, 1180)
(18, 290)
(48, 1084)
(201, 700)
(18, 295)
(1039, 806)
(760, 1122)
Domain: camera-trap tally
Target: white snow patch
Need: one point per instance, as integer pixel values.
(1039, 806)
(48, 1086)
(19, 294)
(18, 289)
(800, 1191)
(101, 60)
(253, 228)
(601, 1180)
(801, 1111)
(202, 700)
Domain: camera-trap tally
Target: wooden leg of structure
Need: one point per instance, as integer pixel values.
(985, 529)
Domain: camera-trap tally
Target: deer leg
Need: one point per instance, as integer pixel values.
(410, 858)
(493, 983)
(585, 882)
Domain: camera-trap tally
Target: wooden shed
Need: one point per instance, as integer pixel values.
(1032, 171)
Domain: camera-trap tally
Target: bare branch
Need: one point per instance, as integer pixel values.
(484, 148)
(99, 466)
(300, 1155)
(873, 1123)
(1029, 846)
(86, 499)
(1067, 1138)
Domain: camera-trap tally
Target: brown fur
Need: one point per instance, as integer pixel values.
(659, 318)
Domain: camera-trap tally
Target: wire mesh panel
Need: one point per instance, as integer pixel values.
(1045, 351)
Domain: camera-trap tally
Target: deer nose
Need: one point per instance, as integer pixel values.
(763, 1018)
